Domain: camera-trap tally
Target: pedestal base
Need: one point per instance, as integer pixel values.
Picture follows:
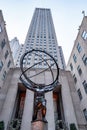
(39, 125)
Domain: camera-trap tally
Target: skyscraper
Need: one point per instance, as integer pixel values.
(41, 35)
(15, 46)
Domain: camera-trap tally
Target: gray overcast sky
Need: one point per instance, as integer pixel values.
(67, 17)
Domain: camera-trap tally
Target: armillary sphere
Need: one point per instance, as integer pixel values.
(43, 62)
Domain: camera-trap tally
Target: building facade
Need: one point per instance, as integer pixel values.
(62, 57)
(77, 64)
(15, 46)
(6, 60)
(41, 35)
(63, 105)
(19, 54)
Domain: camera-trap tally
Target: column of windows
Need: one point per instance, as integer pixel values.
(84, 59)
(3, 43)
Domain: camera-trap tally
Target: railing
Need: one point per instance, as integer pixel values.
(60, 125)
(15, 124)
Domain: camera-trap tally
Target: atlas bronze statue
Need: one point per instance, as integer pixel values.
(37, 87)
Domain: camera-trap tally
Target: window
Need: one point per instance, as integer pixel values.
(29, 58)
(85, 85)
(6, 54)
(71, 66)
(1, 65)
(55, 52)
(31, 47)
(79, 70)
(9, 62)
(35, 58)
(79, 48)
(24, 61)
(74, 58)
(45, 64)
(84, 59)
(84, 35)
(54, 48)
(85, 113)
(50, 48)
(0, 29)
(79, 93)
(40, 63)
(3, 44)
(50, 52)
(40, 48)
(28, 62)
(4, 75)
(75, 79)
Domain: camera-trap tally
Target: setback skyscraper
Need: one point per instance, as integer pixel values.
(41, 35)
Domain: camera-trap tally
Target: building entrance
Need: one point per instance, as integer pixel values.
(58, 110)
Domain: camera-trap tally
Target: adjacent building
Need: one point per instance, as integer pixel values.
(6, 60)
(19, 54)
(77, 64)
(15, 46)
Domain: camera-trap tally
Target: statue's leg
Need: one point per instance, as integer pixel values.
(44, 113)
(35, 115)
